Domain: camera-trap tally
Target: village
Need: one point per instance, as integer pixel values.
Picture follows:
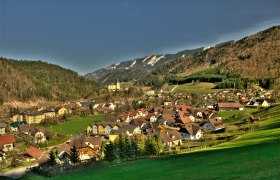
(175, 122)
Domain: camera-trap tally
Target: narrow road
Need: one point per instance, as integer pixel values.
(173, 88)
(16, 173)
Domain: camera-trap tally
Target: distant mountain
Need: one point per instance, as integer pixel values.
(254, 57)
(136, 68)
(33, 80)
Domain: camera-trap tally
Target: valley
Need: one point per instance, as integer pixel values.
(205, 113)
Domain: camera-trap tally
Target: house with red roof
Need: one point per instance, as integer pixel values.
(7, 142)
(225, 106)
(182, 118)
(33, 152)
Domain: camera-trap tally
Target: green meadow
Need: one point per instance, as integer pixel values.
(202, 87)
(75, 124)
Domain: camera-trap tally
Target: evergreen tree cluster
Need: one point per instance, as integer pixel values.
(130, 148)
(31, 80)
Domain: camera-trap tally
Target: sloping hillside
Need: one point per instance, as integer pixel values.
(31, 80)
(254, 155)
(256, 57)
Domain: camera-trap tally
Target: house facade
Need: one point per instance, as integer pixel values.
(3, 127)
(88, 148)
(7, 142)
(191, 132)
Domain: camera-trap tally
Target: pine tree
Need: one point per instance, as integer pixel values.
(134, 148)
(158, 145)
(128, 148)
(110, 152)
(121, 145)
(74, 156)
(52, 161)
(149, 145)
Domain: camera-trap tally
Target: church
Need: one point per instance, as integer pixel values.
(114, 87)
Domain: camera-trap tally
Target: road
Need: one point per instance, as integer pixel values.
(16, 173)
(173, 88)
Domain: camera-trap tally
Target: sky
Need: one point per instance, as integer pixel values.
(85, 35)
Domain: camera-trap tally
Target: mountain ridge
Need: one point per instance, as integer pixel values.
(143, 65)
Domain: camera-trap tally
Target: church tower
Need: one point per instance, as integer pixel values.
(118, 85)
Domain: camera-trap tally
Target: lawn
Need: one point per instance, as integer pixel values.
(255, 155)
(75, 124)
(227, 115)
(202, 87)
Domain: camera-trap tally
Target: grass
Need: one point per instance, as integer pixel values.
(254, 155)
(227, 116)
(75, 124)
(202, 87)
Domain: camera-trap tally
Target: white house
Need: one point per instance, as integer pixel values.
(213, 125)
(191, 131)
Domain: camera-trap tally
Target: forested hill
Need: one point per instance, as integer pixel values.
(32, 80)
(253, 57)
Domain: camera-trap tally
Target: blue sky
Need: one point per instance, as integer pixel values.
(86, 35)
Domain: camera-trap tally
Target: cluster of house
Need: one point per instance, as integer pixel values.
(30, 154)
(248, 98)
(36, 115)
(171, 123)
(97, 107)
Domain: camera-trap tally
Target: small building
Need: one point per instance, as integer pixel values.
(15, 125)
(32, 153)
(49, 113)
(3, 127)
(16, 117)
(88, 148)
(171, 138)
(150, 93)
(34, 117)
(167, 103)
(114, 87)
(226, 106)
(60, 111)
(7, 142)
(191, 131)
(213, 125)
(31, 130)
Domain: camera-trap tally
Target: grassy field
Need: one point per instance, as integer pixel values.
(229, 114)
(202, 87)
(75, 124)
(255, 155)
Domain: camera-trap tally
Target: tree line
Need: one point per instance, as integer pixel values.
(130, 148)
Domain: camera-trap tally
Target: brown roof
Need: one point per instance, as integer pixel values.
(3, 125)
(168, 117)
(170, 136)
(33, 152)
(183, 118)
(7, 139)
(30, 128)
(139, 122)
(80, 140)
(230, 105)
(149, 115)
(217, 123)
(192, 128)
(185, 107)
